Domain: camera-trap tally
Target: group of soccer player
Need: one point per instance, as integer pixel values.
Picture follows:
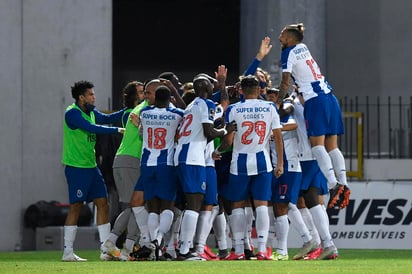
(271, 170)
(259, 154)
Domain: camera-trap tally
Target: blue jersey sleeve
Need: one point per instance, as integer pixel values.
(74, 120)
(216, 96)
(179, 111)
(103, 118)
(228, 110)
(125, 116)
(251, 70)
(211, 107)
(284, 57)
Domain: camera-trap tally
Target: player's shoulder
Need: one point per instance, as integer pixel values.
(72, 112)
(210, 103)
(233, 106)
(175, 110)
(146, 108)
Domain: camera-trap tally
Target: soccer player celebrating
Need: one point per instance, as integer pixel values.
(322, 111)
(195, 130)
(159, 124)
(250, 170)
(84, 179)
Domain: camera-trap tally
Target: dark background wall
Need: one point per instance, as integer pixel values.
(186, 37)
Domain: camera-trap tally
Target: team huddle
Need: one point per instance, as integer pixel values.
(213, 158)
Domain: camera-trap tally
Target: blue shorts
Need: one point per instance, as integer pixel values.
(222, 167)
(159, 182)
(180, 196)
(211, 186)
(85, 184)
(139, 184)
(242, 187)
(312, 176)
(192, 178)
(286, 188)
(323, 115)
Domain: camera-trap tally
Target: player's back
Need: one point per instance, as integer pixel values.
(191, 139)
(255, 121)
(159, 130)
(305, 71)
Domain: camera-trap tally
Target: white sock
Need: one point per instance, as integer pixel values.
(70, 232)
(187, 230)
(237, 226)
(165, 223)
(141, 215)
(339, 165)
(325, 164)
(203, 228)
(282, 231)
(172, 236)
(104, 232)
(271, 235)
(215, 212)
(249, 223)
(262, 227)
(219, 228)
(322, 224)
(153, 225)
(297, 222)
(307, 218)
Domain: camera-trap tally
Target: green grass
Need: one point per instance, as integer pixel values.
(350, 261)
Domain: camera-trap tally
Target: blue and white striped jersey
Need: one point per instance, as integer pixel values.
(304, 147)
(298, 61)
(192, 141)
(290, 147)
(159, 127)
(255, 120)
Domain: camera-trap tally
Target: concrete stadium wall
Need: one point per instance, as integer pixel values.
(268, 19)
(368, 47)
(45, 47)
(11, 125)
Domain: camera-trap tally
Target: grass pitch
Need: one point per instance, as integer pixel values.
(350, 261)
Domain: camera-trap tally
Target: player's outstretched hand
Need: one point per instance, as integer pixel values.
(264, 49)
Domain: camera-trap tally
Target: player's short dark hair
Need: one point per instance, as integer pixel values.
(249, 81)
(188, 97)
(168, 75)
(162, 94)
(80, 88)
(296, 30)
(205, 75)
